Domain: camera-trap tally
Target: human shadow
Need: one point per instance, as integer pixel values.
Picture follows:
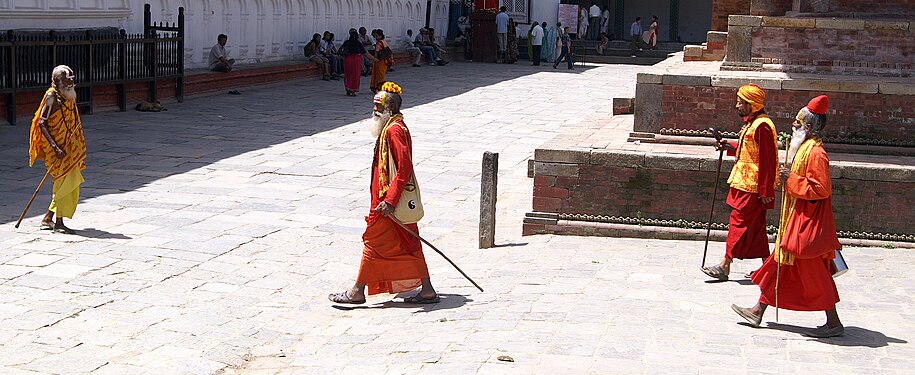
(854, 336)
(447, 301)
(98, 233)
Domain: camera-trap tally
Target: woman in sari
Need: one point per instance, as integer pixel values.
(353, 52)
(548, 52)
(384, 58)
(530, 46)
(512, 42)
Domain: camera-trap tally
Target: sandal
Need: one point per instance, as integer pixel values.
(745, 313)
(46, 226)
(418, 299)
(343, 297)
(716, 272)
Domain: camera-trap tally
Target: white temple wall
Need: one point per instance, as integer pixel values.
(258, 30)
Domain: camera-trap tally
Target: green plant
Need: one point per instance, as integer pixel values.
(783, 139)
(889, 245)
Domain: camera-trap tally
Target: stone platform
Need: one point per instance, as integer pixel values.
(595, 182)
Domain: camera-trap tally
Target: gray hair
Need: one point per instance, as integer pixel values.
(60, 72)
(816, 122)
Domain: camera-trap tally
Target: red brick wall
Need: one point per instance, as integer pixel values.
(868, 116)
(721, 9)
(795, 44)
(873, 6)
(671, 194)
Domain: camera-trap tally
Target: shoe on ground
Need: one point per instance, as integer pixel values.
(417, 65)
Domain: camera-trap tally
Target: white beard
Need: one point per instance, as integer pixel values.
(68, 92)
(380, 119)
(797, 139)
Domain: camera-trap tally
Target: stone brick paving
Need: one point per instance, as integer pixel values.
(212, 233)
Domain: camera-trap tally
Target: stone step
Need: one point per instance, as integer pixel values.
(619, 60)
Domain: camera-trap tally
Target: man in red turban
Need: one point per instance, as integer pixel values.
(392, 258)
(800, 267)
(752, 182)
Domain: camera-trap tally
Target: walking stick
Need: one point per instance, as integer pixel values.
(778, 265)
(436, 250)
(711, 210)
(32, 199)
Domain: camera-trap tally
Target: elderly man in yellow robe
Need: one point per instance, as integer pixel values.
(56, 137)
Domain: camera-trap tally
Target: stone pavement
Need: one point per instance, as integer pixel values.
(212, 233)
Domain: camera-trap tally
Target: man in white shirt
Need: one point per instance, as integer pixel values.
(411, 48)
(593, 21)
(218, 61)
(502, 32)
(536, 42)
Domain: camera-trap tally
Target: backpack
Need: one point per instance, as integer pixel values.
(309, 49)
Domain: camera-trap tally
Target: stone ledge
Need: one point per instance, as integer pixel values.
(555, 169)
(737, 20)
(716, 37)
(680, 162)
(810, 85)
(789, 22)
(892, 88)
(887, 25)
(648, 78)
(686, 80)
(562, 156)
(765, 83)
(839, 24)
(618, 158)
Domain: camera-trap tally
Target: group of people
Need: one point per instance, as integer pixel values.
(550, 44)
(801, 266)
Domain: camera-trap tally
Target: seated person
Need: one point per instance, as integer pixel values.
(218, 61)
(312, 53)
(460, 39)
(425, 45)
(411, 48)
(439, 51)
(602, 45)
(328, 50)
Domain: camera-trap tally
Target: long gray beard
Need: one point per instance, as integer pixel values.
(68, 92)
(798, 137)
(380, 120)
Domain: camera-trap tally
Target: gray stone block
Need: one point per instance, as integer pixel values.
(562, 156)
(647, 108)
(686, 80)
(739, 20)
(681, 162)
(810, 85)
(648, 78)
(892, 88)
(841, 24)
(735, 82)
(740, 43)
(618, 158)
(489, 180)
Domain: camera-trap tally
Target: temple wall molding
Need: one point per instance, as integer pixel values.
(258, 30)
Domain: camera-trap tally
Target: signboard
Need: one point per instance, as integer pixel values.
(568, 16)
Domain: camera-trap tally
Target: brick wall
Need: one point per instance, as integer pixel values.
(851, 115)
(671, 193)
(794, 45)
(873, 6)
(721, 9)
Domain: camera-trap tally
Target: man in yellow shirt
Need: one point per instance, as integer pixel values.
(56, 137)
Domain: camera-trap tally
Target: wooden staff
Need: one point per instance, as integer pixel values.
(711, 210)
(33, 198)
(436, 250)
(778, 263)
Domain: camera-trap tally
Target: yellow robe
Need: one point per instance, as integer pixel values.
(66, 128)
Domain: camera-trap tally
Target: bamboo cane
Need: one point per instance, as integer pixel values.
(778, 263)
(37, 189)
(711, 211)
(436, 250)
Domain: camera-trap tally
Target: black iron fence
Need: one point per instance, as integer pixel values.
(98, 58)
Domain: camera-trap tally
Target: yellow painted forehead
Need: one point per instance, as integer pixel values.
(800, 117)
(380, 97)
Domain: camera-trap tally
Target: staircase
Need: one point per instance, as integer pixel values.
(620, 52)
(712, 50)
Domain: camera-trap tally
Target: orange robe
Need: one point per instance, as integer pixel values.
(808, 240)
(392, 259)
(747, 225)
(379, 67)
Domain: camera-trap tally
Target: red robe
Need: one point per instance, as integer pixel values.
(747, 225)
(392, 259)
(811, 237)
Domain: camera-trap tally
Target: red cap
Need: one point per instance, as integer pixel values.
(818, 105)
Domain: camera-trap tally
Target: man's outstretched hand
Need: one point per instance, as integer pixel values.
(723, 145)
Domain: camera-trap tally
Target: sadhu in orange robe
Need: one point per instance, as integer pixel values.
(752, 177)
(392, 259)
(807, 238)
(66, 128)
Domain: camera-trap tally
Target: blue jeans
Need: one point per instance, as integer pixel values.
(594, 28)
(564, 53)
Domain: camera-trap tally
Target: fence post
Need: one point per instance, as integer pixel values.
(89, 68)
(122, 71)
(14, 80)
(488, 186)
(179, 90)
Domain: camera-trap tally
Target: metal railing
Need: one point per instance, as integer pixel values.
(98, 58)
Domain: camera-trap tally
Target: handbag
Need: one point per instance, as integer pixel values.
(409, 209)
(385, 53)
